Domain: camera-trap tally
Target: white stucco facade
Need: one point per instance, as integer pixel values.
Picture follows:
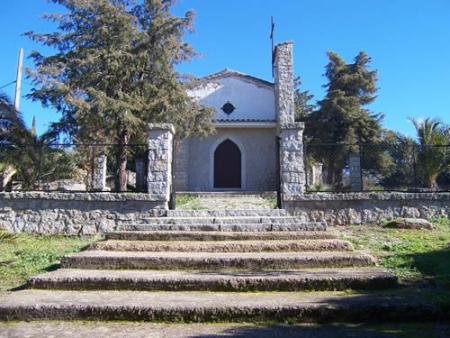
(251, 126)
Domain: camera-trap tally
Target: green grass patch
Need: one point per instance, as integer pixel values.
(188, 202)
(24, 255)
(420, 258)
(411, 254)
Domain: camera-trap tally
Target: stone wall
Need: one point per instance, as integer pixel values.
(73, 213)
(365, 208)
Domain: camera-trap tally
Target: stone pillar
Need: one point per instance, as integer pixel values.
(140, 174)
(159, 173)
(355, 173)
(99, 173)
(315, 174)
(292, 166)
(284, 83)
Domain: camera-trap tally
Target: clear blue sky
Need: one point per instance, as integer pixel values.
(409, 41)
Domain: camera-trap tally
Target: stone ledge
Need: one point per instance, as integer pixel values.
(362, 196)
(162, 126)
(88, 196)
(292, 125)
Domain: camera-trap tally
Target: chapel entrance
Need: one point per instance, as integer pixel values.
(227, 165)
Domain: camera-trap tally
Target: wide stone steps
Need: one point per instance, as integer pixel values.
(224, 246)
(213, 306)
(213, 265)
(213, 261)
(225, 220)
(218, 235)
(151, 280)
(227, 213)
(236, 227)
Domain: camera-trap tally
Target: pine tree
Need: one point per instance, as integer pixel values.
(114, 72)
(342, 118)
(303, 107)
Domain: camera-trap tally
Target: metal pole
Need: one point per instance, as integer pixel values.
(18, 80)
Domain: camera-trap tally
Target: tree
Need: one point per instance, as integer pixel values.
(342, 121)
(26, 155)
(301, 101)
(433, 156)
(401, 150)
(114, 72)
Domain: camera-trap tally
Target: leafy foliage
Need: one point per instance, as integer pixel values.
(29, 156)
(433, 150)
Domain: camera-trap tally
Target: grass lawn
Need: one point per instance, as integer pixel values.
(420, 258)
(23, 255)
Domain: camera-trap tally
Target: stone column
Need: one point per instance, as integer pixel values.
(284, 83)
(159, 174)
(99, 173)
(355, 173)
(292, 166)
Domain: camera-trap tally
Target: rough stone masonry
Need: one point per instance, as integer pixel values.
(160, 144)
(292, 168)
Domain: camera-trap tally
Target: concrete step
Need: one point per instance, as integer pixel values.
(244, 227)
(213, 261)
(151, 280)
(214, 306)
(217, 235)
(224, 246)
(228, 213)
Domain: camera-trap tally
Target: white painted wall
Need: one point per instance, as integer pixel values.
(251, 99)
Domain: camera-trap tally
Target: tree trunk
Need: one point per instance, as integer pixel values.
(122, 155)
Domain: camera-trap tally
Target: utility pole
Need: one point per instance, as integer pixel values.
(18, 80)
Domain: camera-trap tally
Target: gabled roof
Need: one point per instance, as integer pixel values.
(233, 73)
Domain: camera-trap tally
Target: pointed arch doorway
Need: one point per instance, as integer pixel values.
(227, 166)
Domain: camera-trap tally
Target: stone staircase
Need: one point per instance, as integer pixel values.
(217, 268)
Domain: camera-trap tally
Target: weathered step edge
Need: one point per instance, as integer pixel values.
(303, 226)
(209, 261)
(223, 220)
(363, 279)
(174, 235)
(224, 246)
(227, 213)
(368, 309)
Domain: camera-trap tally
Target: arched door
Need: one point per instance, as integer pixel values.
(227, 165)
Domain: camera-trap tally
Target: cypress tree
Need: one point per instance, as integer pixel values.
(342, 118)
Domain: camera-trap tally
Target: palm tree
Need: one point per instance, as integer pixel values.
(26, 155)
(433, 150)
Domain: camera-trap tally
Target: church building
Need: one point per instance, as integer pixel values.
(242, 155)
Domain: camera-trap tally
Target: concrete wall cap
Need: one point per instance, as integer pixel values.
(162, 126)
(81, 196)
(294, 125)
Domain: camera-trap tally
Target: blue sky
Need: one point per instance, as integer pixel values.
(409, 41)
